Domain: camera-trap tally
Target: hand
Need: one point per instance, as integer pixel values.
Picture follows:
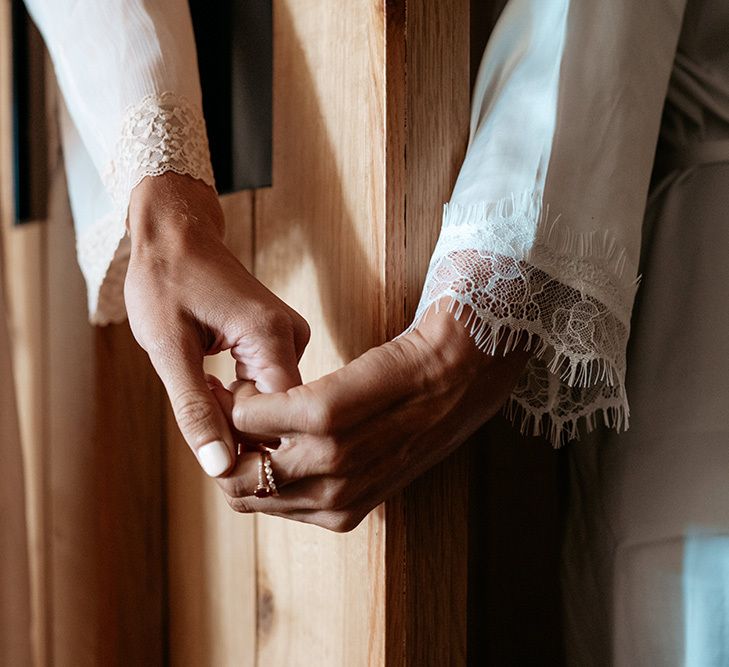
(354, 437)
(188, 296)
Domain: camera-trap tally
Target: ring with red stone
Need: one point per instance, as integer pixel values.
(266, 482)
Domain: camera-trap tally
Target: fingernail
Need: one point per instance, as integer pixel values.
(214, 458)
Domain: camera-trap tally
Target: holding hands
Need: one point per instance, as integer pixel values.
(348, 440)
(354, 437)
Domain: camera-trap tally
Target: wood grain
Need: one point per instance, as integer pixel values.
(22, 568)
(91, 413)
(212, 570)
(320, 245)
(104, 447)
(427, 525)
(24, 248)
(25, 280)
(25, 283)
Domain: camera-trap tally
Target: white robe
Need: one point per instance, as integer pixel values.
(542, 235)
(128, 73)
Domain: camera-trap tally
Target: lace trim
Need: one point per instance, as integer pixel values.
(103, 254)
(161, 133)
(566, 297)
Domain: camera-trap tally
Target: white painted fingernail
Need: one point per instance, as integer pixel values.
(214, 458)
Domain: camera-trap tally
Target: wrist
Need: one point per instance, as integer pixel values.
(454, 349)
(450, 340)
(173, 208)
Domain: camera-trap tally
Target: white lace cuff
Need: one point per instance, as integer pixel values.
(565, 298)
(161, 133)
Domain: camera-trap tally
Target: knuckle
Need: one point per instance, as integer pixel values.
(230, 486)
(157, 347)
(238, 416)
(327, 458)
(277, 323)
(167, 353)
(193, 411)
(239, 489)
(302, 334)
(320, 416)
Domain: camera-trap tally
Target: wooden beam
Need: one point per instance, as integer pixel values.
(427, 525)
(320, 245)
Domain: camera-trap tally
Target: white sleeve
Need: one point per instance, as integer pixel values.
(541, 238)
(127, 70)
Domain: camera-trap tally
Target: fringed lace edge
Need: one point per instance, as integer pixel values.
(532, 282)
(560, 432)
(522, 227)
(492, 336)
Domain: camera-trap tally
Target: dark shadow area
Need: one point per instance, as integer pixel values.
(30, 136)
(518, 486)
(518, 504)
(235, 59)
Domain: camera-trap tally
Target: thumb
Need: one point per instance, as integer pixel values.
(197, 412)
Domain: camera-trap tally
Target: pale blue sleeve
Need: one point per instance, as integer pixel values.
(541, 239)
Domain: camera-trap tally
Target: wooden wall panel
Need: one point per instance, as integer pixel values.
(104, 488)
(427, 525)
(69, 449)
(91, 413)
(23, 248)
(22, 256)
(320, 245)
(211, 550)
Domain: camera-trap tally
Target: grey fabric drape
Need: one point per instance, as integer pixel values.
(647, 555)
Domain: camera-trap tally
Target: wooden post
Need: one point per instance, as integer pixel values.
(371, 114)
(427, 525)
(370, 124)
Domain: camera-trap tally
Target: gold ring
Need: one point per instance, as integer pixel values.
(266, 482)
